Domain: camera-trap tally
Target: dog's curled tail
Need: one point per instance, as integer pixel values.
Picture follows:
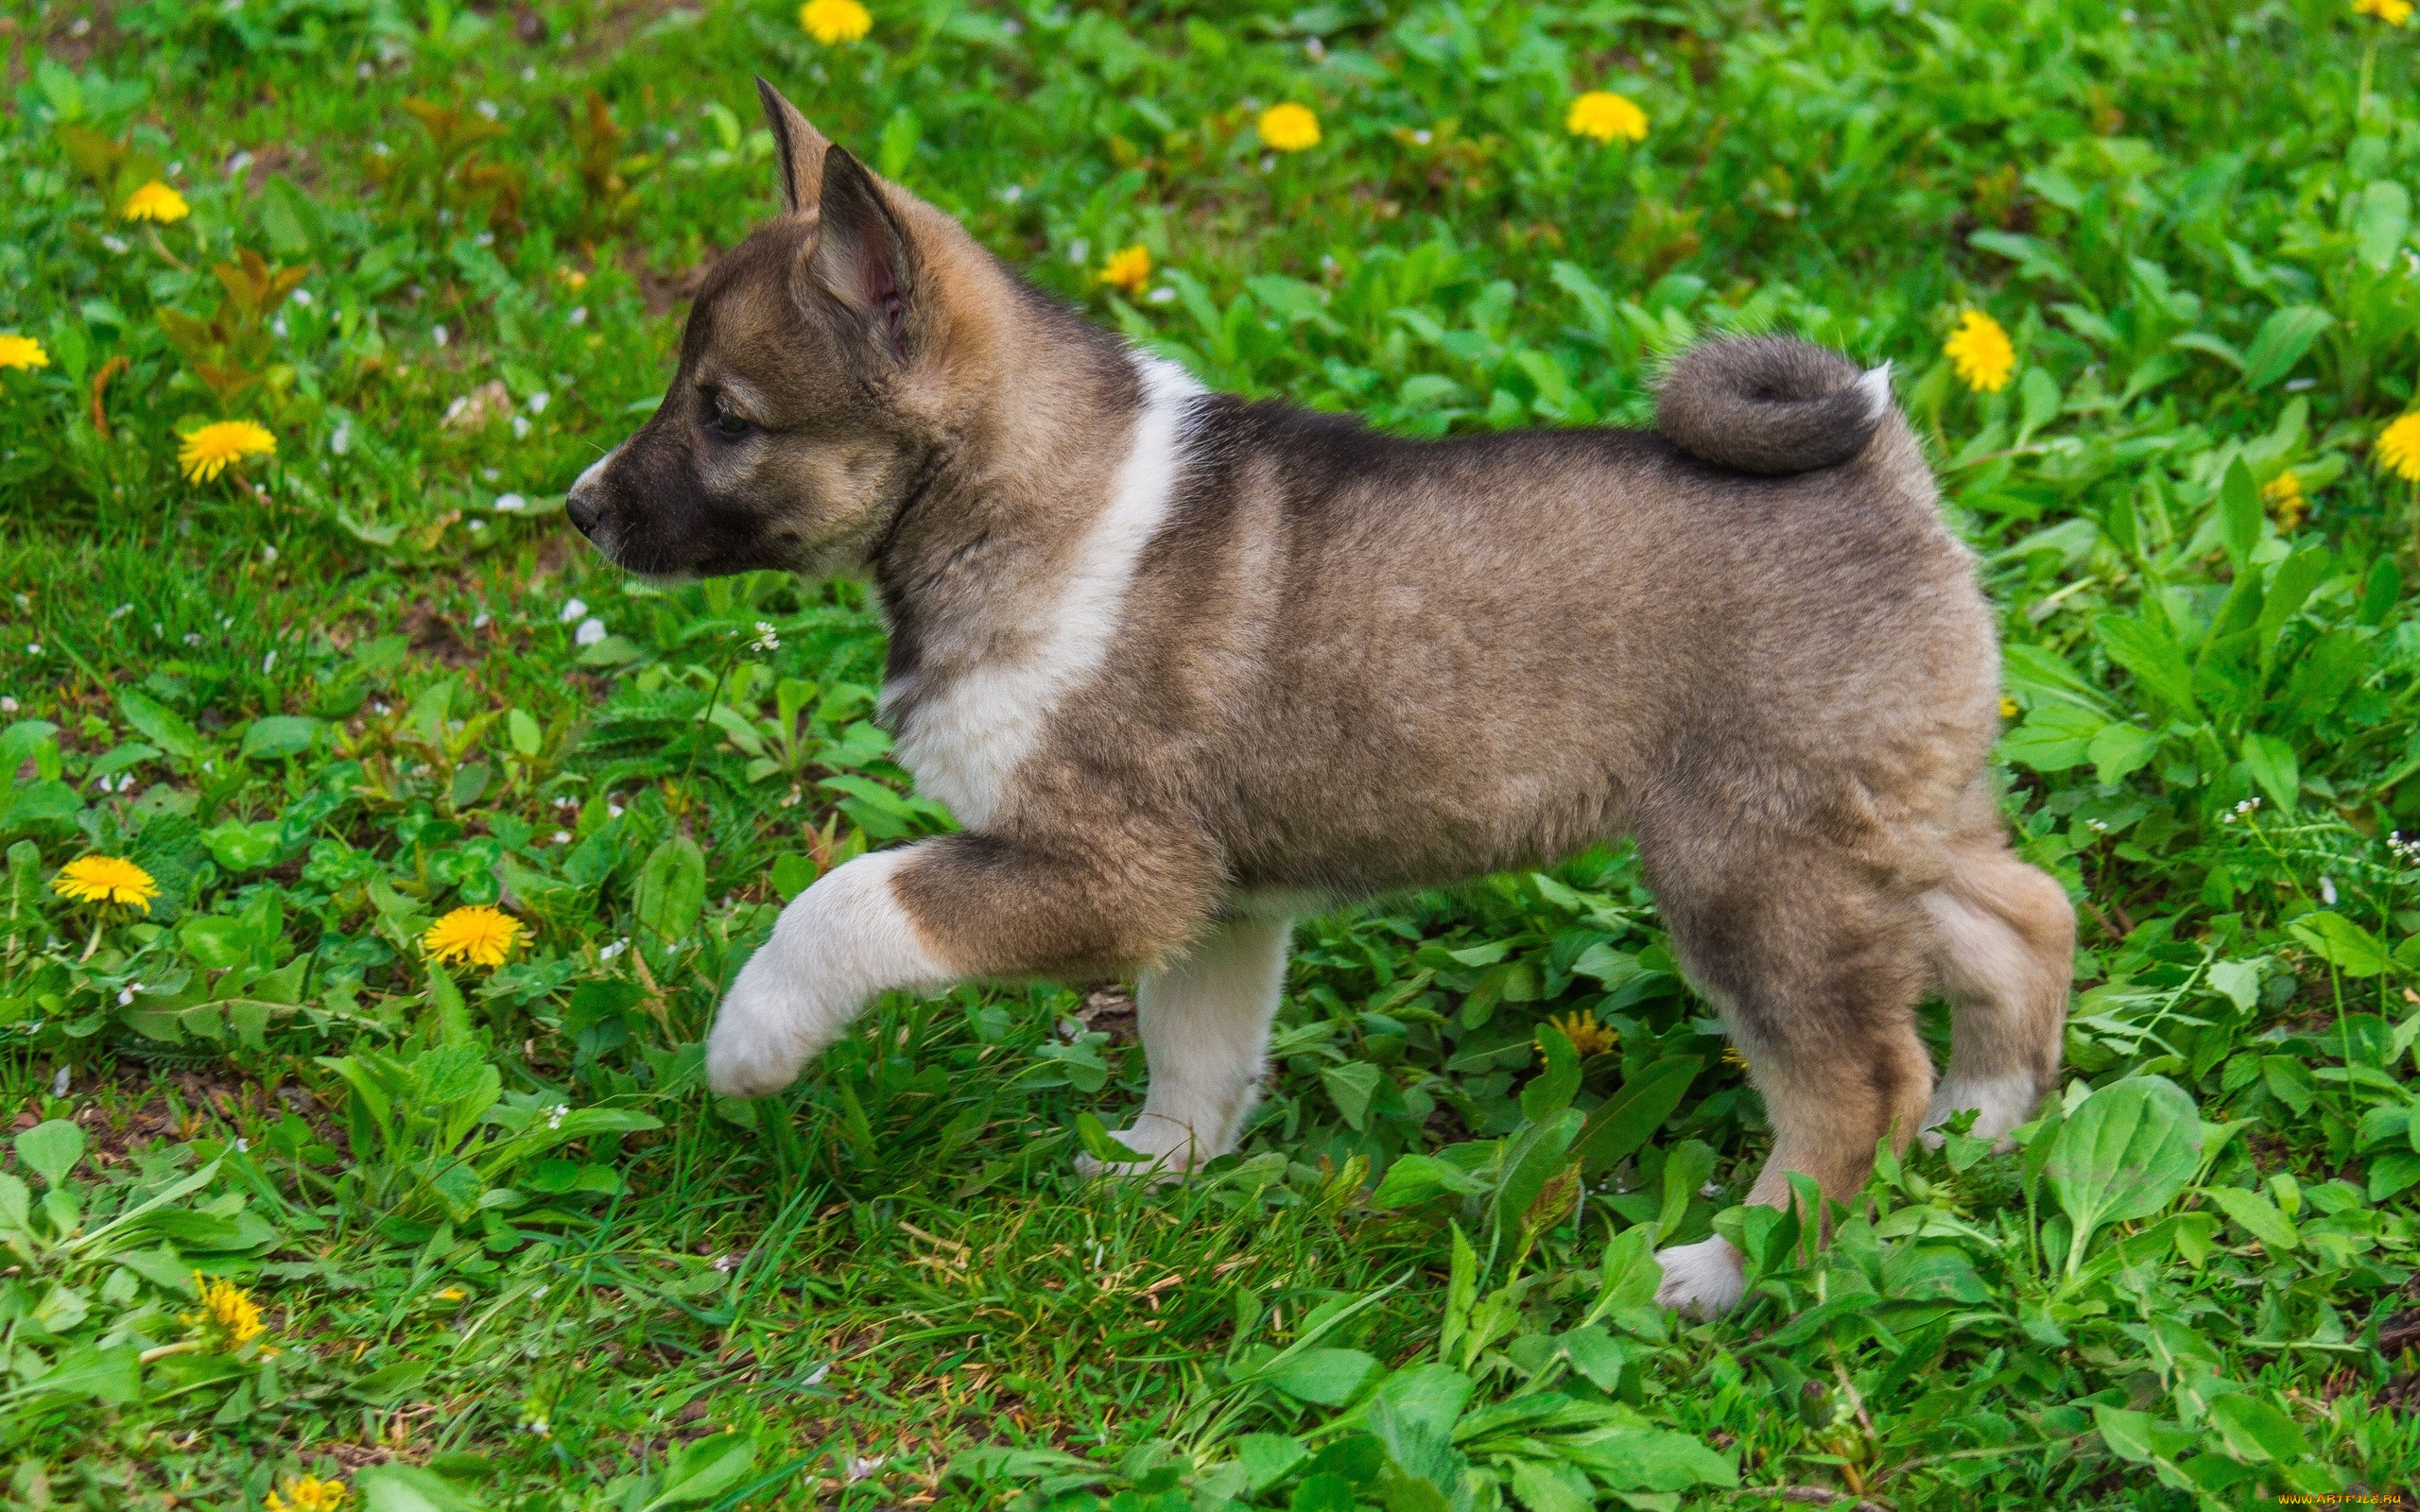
(1771, 405)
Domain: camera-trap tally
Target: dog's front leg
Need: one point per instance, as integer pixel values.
(957, 907)
(1204, 1020)
(837, 945)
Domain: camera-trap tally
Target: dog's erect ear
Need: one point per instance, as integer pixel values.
(862, 256)
(799, 147)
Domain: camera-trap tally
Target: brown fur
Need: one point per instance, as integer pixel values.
(1347, 663)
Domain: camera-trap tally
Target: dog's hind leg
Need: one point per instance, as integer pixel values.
(1816, 968)
(2003, 951)
(1204, 1020)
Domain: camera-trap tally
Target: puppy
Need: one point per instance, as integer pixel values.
(1186, 668)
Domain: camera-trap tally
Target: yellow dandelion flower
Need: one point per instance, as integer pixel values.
(1129, 269)
(21, 351)
(105, 880)
(215, 448)
(307, 1493)
(481, 936)
(452, 1294)
(155, 201)
(1981, 351)
(2284, 496)
(832, 22)
(1586, 1035)
(574, 278)
(1604, 116)
(1733, 1057)
(2394, 12)
(227, 1309)
(1288, 127)
(2399, 447)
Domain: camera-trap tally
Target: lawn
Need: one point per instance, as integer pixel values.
(310, 310)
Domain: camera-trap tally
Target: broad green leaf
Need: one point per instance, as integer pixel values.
(2054, 737)
(1352, 1087)
(2128, 1435)
(1328, 1377)
(2125, 1153)
(2281, 342)
(161, 725)
(2257, 1215)
(50, 1150)
(1545, 1486)
(1625, 1122)
(2119, 750)
(671, 890)
(113, 1375)
(2252, 1430)
(792, 874)
(1267, 1458)
(2237, 981)
(2381, 224)
(398, 1488)
(2148, 650)
(1648, 1459)
(705, 1468)
(1413, 1180)
(279, 735)
(2341, 943)
(2240, 517)
(1549, 1092)
(1596, 1355)
(240, 847)
(2272, 765)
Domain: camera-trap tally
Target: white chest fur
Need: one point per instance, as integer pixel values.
(965, 733)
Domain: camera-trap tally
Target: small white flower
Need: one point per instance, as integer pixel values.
(490, 474)
(60, 1083)
(113, 244)
(858, 1468)
(540, 1291)
(538, 401)
(765, 640)
(481, 620)
(511, 503)
(267, 662)
(268, 554)
(277, 325)
(613, 810)
(557, 1114)
(562, 837)
(439, 335)
(243, 1146)
(579, 315)
(815, 1377)
(2327, 891)
(1422, 136)
(7, 705)
(1160, 294)
(573, 609)
(341, 441)
(124, 996)
(590, 632)
(520, 427)
(302, 297)
(1011, 194)
(1079, 252)
(121, 612)
(614, 949)
(193, 637)
(34, 648)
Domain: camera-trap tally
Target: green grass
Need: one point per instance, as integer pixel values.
(508, 1251)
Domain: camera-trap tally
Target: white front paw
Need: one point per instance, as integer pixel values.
(756, 1047)
(1706, 1279)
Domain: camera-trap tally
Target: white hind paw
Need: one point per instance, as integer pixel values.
(1707, 1279)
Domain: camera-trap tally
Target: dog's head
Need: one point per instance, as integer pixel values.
(800, 418)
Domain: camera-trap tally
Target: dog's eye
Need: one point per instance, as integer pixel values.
(729, 425)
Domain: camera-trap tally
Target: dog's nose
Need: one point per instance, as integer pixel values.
(583, 512)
